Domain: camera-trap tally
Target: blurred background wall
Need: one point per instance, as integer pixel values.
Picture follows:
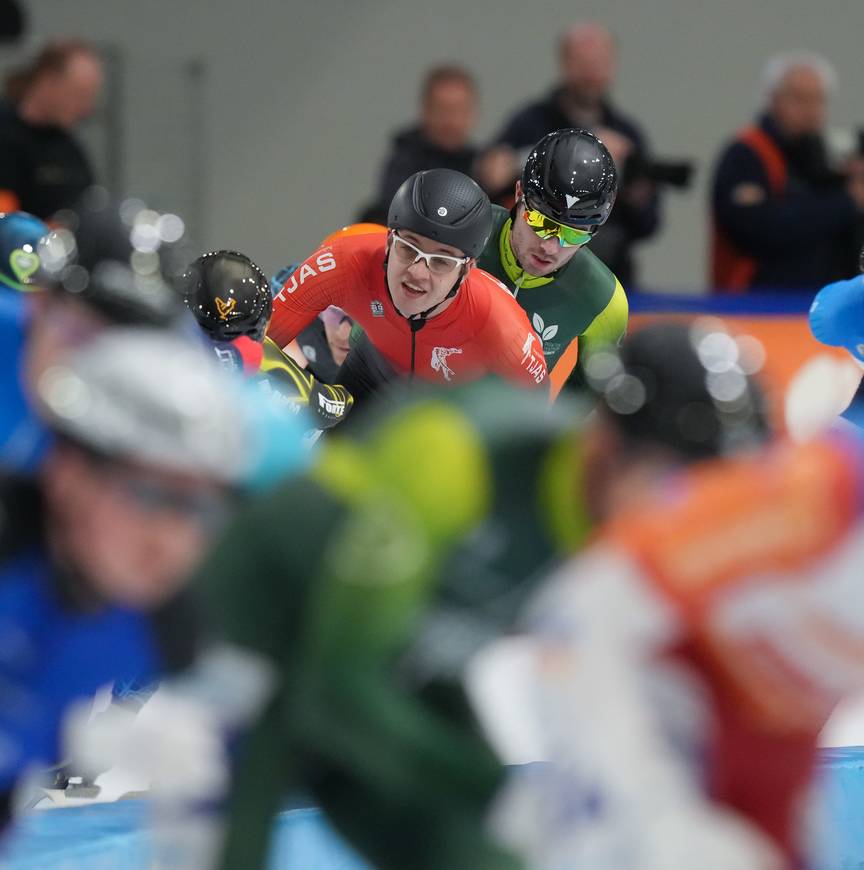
(264, 123)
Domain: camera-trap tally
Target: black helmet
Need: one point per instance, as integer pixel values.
(228, 295)
(570, 176)
(114, 259)
(444, 205)
(681, 387)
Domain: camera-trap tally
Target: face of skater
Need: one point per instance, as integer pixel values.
(419, 282)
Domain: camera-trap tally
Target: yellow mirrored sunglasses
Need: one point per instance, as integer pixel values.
(546, 228)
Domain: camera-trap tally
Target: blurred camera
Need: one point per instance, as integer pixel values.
(671, 173)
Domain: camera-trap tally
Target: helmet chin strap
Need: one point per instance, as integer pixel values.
(418, 321)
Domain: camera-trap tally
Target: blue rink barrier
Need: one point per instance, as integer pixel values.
(116, 835)
(839, 835)
(111, 836)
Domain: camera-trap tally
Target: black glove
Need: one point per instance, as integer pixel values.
(327, 404)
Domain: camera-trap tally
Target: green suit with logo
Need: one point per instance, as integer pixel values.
(580, 307)
(369, 583)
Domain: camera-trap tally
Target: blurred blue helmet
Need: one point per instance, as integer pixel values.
(20, 233)
(278, 281)
(278, 445)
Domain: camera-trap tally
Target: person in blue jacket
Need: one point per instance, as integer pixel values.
(152, 445)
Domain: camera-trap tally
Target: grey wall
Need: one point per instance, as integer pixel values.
(299, 98)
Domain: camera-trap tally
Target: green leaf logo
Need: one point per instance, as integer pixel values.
(546, 333)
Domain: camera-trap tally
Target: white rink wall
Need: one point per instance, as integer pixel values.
(300, 98)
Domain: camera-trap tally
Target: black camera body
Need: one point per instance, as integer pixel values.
(671, 173)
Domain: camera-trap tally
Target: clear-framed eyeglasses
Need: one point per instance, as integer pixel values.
(438, 264)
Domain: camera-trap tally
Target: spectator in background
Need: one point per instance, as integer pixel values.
(783, 218)
(448, 109)
(12, 21)
(42, 166)
(588, 62)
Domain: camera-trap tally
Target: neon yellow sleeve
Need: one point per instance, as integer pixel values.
(609, 326)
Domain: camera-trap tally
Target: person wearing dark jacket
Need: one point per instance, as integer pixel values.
(588, 66)
(783, 218)
(441, 140)
(43, 167)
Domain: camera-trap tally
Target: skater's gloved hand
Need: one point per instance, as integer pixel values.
(327, 404)
(176, 742)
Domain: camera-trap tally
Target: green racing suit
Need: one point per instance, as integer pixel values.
(580, 307)
(369, 583)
